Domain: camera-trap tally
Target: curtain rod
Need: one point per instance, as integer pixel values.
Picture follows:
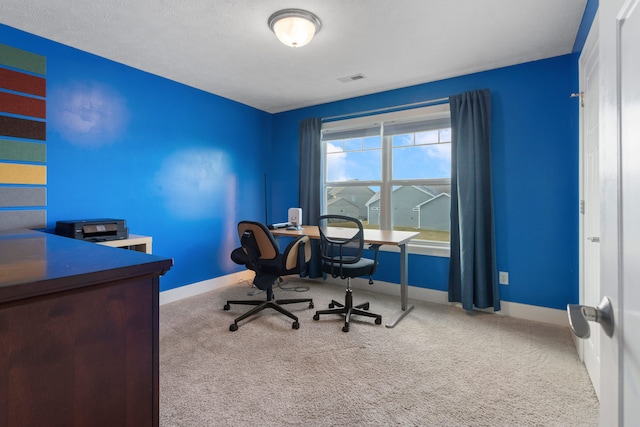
(381, 110)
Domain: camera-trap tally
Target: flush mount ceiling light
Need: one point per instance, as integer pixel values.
(294, 27)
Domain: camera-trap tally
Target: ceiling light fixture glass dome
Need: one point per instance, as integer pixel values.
(294, 27)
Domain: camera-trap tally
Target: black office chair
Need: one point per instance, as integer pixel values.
(341, 246)
(259, 252)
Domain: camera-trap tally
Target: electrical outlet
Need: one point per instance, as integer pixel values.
(504, 278)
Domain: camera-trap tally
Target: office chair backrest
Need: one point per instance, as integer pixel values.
(341, 239)
(267, 245)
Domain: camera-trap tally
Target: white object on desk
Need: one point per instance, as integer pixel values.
(134, 242)
(295, 217)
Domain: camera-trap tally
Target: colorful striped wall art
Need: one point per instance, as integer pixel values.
(23, 134)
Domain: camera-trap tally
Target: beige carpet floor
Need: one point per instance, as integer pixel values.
(438, 367)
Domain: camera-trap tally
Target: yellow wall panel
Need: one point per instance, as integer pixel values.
(22, 174)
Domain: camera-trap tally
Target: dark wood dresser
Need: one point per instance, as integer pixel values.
(78, 332)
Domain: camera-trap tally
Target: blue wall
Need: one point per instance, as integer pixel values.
(184, 166)
(535, 175)
(175, 162)
(585, 25)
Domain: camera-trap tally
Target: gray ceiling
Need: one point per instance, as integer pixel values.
(225, 47)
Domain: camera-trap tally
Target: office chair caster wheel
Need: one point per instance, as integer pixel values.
(233, 327)
(365, 306)
(345, 328)
(226, 307)
(295, 325)
(316, 317)
(378, 321)
(331, 305)
(311, 304)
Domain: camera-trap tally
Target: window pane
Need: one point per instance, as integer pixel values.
(335, 146)
(372, 142)
(422, 161)
(359, 202)
(428, 137)
(402, 140)
(362, 165)
(353, 144)
(422, 208)
(445, 135)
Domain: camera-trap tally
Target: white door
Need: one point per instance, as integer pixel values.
(590, 199)
(619, 35)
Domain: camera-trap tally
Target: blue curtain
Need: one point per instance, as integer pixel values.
(472, 270)
(309, 183)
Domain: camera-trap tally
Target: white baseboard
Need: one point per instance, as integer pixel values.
(512, 309)
(553, 316)
(198, 288)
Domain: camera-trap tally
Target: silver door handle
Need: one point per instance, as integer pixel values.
(594, 239)
(581, 315)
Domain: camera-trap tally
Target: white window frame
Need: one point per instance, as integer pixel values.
(387, 183)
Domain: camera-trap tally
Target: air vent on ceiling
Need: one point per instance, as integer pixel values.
(352, 78)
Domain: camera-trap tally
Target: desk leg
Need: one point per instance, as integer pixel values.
(404, 288)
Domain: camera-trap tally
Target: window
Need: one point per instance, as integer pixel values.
(392, 171)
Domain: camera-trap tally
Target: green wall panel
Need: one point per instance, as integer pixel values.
(18, 58)
(22, 151)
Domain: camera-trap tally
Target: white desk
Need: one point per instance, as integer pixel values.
(371, 236)
(134, 242)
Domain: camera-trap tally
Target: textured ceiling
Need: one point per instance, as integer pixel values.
(225, 47)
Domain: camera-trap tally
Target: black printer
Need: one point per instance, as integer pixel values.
(93, 230)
